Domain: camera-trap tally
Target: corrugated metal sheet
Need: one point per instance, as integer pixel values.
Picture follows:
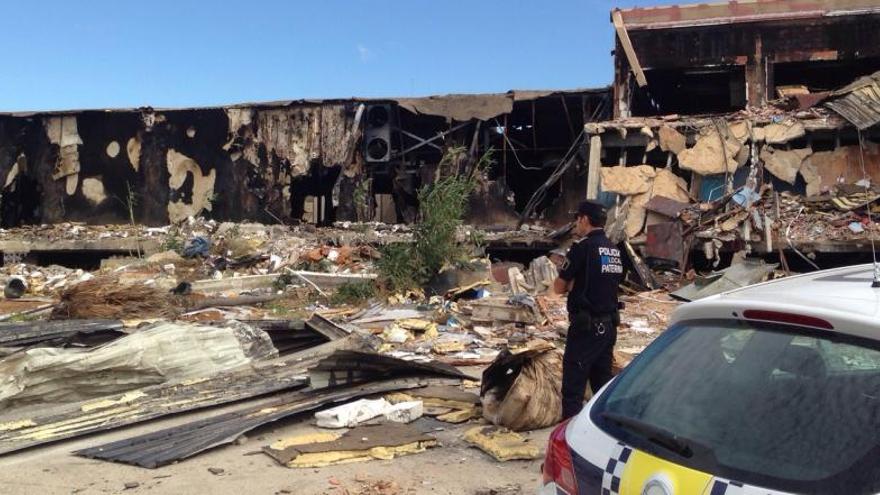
(859, 103)
(83, 418)
(355, 374)
(741, 11)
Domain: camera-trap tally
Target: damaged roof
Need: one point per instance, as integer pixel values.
(461, 107)
(741, 11)
(859, 103)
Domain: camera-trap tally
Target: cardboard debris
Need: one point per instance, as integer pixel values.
(502, 444)
(627, 180)
(448, 404)
(357, 445)
(671, 140)
(707, 157)
(783, 133)
(784, 164)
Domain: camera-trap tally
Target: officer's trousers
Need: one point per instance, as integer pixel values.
(589, 352)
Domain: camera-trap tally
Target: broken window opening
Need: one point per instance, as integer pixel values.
(85, 259)
(719, 89)
(818, 76)
(311, 195)
(20, 203)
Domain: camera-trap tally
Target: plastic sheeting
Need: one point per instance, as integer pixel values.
(155, 354)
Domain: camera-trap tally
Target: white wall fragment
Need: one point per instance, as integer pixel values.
(133, 148)
(93, 190)
(112, 149)
(179, 167)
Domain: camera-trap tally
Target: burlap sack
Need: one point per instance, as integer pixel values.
(533, 399)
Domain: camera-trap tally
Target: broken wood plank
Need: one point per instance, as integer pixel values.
(326, 327)
(626, 43)
(593, 169)
(57, 332)
(646, 277)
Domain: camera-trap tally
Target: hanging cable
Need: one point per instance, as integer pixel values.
(513, 150)
(557, 174)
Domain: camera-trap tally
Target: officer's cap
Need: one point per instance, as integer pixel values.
(591, 209)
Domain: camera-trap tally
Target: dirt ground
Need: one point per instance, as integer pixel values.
(241, 468)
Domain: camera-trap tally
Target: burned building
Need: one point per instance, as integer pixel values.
(313, 161)
(714, 58)
(731, 130)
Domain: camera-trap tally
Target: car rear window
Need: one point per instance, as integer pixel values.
(772, 405)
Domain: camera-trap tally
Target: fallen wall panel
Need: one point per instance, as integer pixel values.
(75, 420)
(164, 447)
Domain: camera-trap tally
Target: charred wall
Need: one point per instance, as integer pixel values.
(746, 58)
(153, 167)
(289, 161)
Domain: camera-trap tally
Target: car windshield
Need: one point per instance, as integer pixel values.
(776, 406)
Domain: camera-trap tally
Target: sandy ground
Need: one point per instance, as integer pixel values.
(453, 468)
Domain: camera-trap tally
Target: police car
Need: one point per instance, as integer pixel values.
(770, 389)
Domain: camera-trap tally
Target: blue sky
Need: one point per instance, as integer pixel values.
(171, 53)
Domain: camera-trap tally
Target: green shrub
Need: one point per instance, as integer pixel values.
(354, 292)
(442, 206)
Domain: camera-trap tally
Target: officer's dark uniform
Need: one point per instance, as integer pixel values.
(594, 264)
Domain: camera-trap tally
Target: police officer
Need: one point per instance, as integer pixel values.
(590, 274)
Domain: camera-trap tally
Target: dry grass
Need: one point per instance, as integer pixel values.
(107, 298)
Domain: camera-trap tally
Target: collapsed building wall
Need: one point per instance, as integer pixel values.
(314, 161)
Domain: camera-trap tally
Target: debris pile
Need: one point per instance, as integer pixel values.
(284, 325)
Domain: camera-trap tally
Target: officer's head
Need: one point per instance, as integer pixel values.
(590, 215)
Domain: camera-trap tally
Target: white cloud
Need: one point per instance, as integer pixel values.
(365, 53)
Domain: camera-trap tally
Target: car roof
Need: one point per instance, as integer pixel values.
(841, 296)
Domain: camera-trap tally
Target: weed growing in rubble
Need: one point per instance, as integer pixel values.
(354, 292)
(442, 206)
(396, 267)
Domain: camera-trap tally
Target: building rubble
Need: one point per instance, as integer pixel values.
(104, 347)
(251, 290)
